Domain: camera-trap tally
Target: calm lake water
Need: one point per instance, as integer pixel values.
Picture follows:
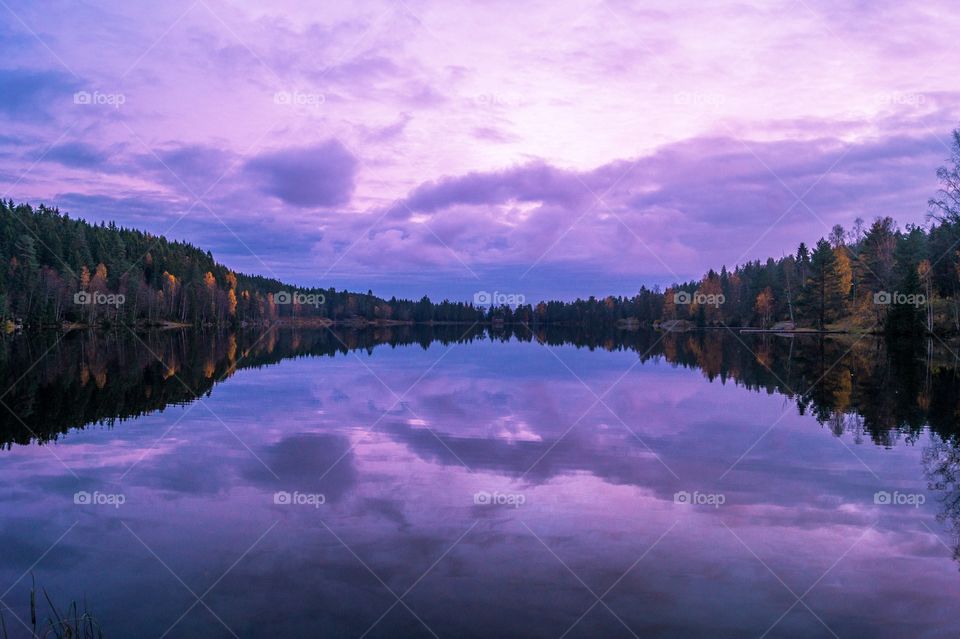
(409, 484)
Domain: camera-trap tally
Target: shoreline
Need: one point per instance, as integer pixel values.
(363, 324)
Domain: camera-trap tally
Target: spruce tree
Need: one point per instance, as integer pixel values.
(823, 294)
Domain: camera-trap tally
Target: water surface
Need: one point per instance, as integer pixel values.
(457, 483)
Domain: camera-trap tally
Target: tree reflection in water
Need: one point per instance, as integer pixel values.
(54, 383)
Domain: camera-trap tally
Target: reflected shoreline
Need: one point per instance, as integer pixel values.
(56, 382)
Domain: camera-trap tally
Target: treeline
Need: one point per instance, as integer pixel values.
(882, 278)
(873, 278)
(55, 269)
(877, 278)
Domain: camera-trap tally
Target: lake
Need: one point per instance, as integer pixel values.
(474, 482)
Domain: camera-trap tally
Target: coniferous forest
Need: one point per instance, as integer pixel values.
(58, 269)
(870, 277)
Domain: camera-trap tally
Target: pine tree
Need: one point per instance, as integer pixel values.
(823, 294)
(905, 316)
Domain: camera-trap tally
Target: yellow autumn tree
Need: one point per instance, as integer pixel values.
(210, 284)
(764, 306)
(232, 294)
(99, 281)
(711, 291)
(170, 286)
(844, 271)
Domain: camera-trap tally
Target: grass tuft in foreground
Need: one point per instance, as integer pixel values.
(72, 624)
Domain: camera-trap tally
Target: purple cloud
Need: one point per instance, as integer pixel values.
(321, 175)
(537, 181)
(28, 95)
(77, 154)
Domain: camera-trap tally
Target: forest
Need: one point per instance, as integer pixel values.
(63, 270)
(871, 277)
(874, 277)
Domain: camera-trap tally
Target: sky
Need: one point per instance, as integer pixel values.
(546, 149)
